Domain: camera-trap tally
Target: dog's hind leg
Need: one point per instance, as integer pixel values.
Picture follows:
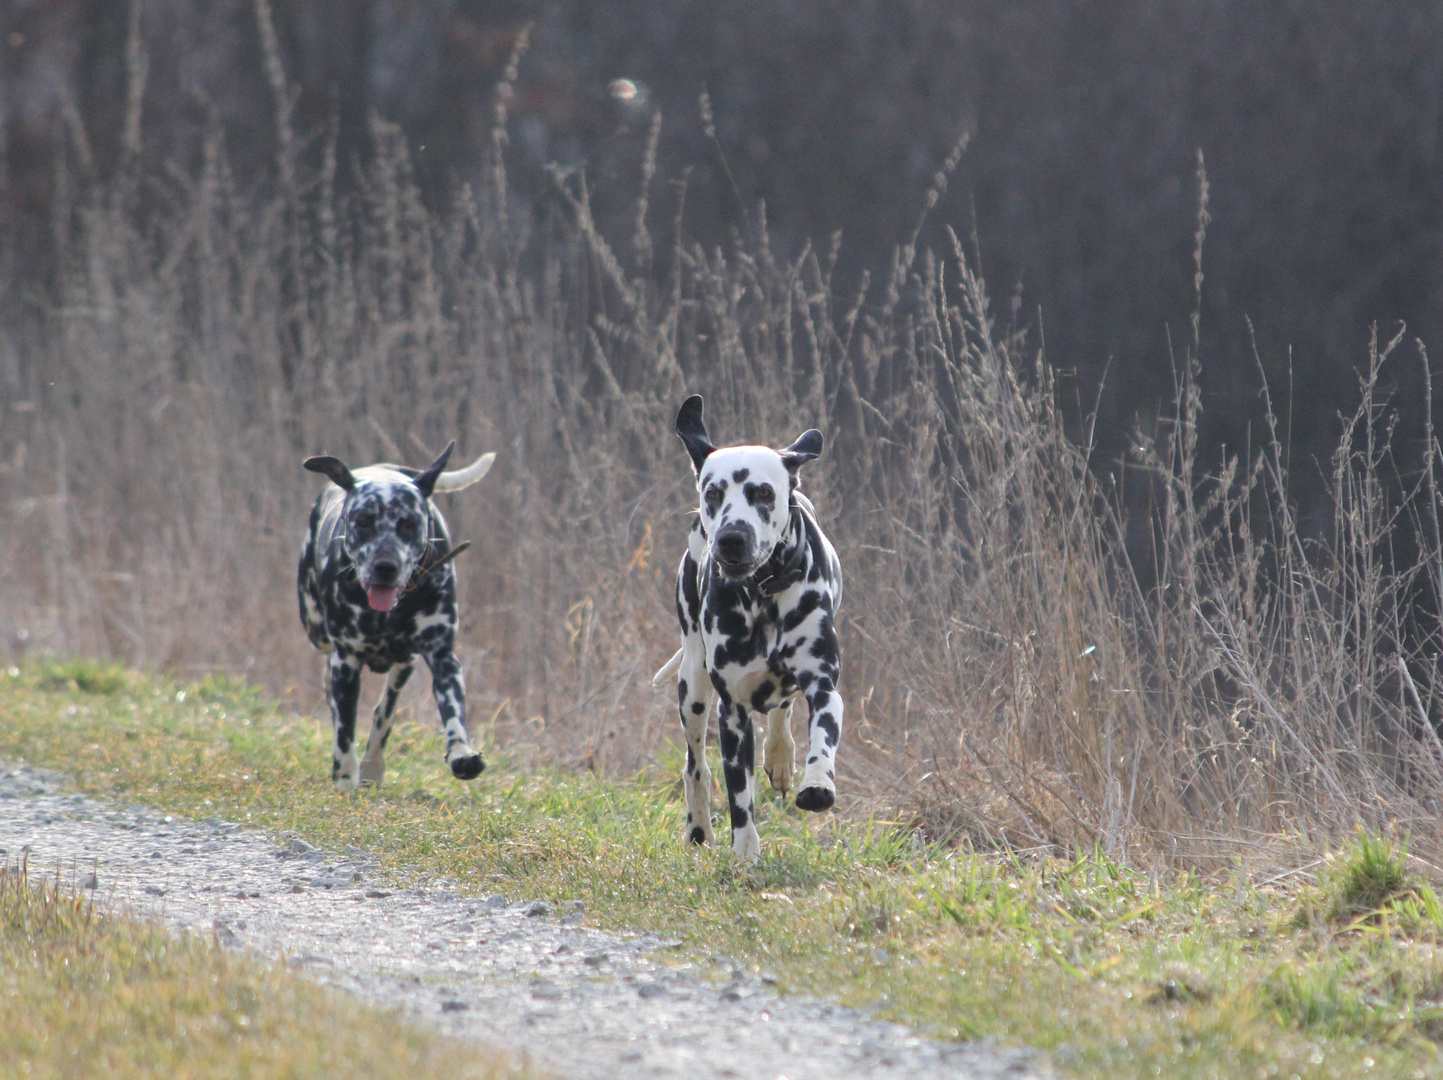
(780, 749)
(693, 696)
(345, 691)
(738, 747)
(373, 761)
(449, 690)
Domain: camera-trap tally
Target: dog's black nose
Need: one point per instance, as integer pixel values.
(385, 570)
(731, 546)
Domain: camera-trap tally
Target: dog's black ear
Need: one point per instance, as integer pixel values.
(426, 481)
(805, 449)
(333, 467)
(692, 429)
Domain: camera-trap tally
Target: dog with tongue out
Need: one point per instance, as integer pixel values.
(377, 589)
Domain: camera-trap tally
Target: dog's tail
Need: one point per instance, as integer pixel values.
(668, 669)
(458, 479)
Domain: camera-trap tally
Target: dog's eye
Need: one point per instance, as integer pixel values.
(760, 494)
(713, 498)
(408, 529)
(365, 521)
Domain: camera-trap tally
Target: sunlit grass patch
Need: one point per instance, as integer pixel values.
(84, 676)
(1369, 882)
(86, 994)
(1108, 970)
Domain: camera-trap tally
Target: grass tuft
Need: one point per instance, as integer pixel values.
(1369, 882)
(85, 676)
(1373, 872)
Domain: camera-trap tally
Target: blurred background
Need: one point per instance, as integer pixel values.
(1319, 121)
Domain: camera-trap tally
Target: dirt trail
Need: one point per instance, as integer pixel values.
(507, 971)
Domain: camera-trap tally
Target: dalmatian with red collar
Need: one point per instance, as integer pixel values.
(377, 589)
(756, 595)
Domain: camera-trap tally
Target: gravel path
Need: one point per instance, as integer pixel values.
(515, 973)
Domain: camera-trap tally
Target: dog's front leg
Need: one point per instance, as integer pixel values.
(373, 762)
(819, 780)
(449, 690)
(824, 730)
(345, 692)
(693, 696)
(738, 747)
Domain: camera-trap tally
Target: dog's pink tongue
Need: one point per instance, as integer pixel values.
(381, 599)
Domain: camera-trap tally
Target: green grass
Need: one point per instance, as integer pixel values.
(1109, 971)
(86, 995)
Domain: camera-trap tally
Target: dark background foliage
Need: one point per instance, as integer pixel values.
(1319, 122)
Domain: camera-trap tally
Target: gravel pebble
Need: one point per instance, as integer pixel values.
(621, 1009)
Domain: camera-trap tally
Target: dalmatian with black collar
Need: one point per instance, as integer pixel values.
(378, 589)
(756, 594)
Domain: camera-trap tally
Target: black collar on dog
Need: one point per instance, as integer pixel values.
(784, 569)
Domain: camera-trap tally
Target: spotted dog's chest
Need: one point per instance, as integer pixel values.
(421, 624)
(746, 645)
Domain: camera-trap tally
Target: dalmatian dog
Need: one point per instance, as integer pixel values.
(756, 595)
(377, 589)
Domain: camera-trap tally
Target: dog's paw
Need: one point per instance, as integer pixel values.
(345, 771)
(780, 775)
(696, 836)
(467, 767)
(816, 798)
(746, 844)
(372, 772)
(698, 831)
